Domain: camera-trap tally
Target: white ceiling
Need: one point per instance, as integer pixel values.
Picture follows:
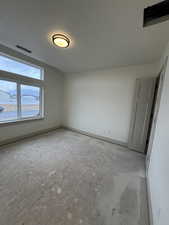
(104, 33)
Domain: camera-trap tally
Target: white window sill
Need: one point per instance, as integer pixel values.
(17, 121)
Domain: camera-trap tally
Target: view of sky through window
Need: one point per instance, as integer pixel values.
(30, 97)
(14, 66)
(8, 102)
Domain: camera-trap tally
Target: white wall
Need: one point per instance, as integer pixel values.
(100, 102)
(158, 172)
(53, 102)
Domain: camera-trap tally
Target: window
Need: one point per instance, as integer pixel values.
(21, 91)
(8, 101)
(30, 97)
(20, 68)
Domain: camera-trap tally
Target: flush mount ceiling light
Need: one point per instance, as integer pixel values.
(60, 40)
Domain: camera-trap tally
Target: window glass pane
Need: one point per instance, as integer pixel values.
(8, 100)
(30, 101)
(13, 66)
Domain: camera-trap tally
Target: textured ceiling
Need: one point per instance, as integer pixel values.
(104, 33)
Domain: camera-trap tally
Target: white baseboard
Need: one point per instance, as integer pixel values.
(19, 138)
(96, 136)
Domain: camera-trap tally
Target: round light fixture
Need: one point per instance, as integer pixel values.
(61, 40)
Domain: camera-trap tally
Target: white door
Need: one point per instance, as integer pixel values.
(143, 100)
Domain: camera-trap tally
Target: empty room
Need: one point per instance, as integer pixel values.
(84, 106)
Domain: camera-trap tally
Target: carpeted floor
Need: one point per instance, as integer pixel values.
(65, 178)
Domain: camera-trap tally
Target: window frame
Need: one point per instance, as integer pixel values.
(24, 80)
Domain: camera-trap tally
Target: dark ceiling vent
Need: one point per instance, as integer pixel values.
(156, 13)
(23, 49)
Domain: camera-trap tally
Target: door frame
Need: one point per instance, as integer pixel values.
(155, 111)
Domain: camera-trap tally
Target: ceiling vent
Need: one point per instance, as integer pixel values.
(156, 13)
(23, 49)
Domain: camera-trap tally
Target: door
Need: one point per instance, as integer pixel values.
(156, 109)
(143, 101)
